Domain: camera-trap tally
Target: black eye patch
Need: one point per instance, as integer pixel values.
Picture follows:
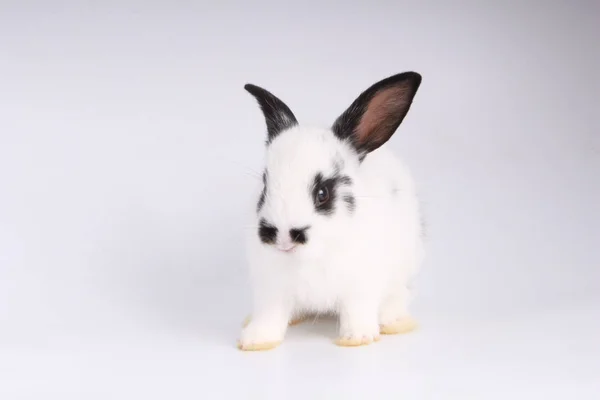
(327, 189)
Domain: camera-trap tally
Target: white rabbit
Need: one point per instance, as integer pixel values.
(338, 221)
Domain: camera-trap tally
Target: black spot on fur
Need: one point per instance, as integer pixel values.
(278, 115)
(267, 232)
(350, 201)
(345, 180)
(263, 194)
(298, 235)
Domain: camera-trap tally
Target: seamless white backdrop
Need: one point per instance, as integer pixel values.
(129, 153)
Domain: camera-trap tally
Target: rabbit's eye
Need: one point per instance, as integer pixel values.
(322, 196)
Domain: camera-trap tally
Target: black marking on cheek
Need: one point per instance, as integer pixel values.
(261, 201)
(263, 194)
(350, 201)
(298, 235)
(267, 232)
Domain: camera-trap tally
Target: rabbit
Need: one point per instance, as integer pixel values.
(338, 223)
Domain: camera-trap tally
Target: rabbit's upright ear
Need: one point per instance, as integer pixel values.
(278, 115)
(374, 116)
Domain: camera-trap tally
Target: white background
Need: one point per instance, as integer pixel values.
(129, 154)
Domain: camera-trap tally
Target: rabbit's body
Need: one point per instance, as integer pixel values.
(352, 254)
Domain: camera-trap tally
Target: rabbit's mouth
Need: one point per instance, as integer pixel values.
(288, 248)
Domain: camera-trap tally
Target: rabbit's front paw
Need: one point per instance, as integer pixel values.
(400, 325)
(258, 336)
(358, 337)
(356, 340)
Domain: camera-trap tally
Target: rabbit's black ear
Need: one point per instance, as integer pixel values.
(374, 116)
(278, 116)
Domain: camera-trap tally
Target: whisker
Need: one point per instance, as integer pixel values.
(248, 170)
(252, 174)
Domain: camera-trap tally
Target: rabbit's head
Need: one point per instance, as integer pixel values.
(307, 197)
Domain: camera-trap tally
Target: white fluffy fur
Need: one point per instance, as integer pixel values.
(357, 265)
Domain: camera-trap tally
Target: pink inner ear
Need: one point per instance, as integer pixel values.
(384, 110)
